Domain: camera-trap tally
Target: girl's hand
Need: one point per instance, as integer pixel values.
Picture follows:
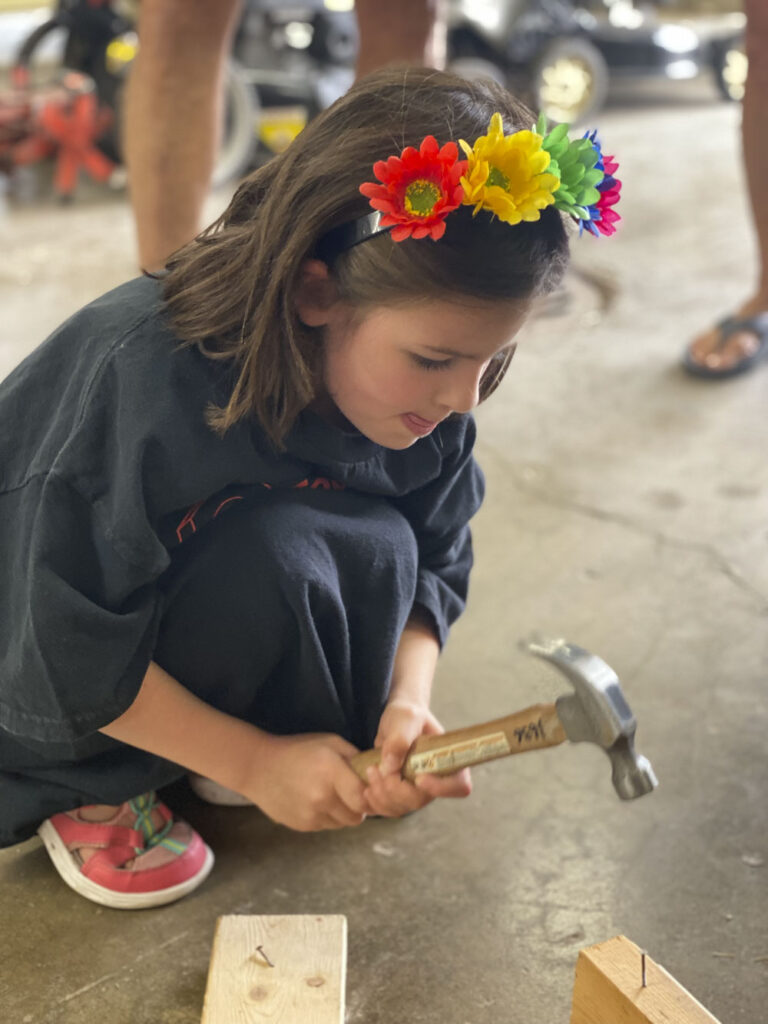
(388, 794)
(306, 783)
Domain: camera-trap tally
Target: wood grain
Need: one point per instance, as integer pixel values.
(534, 728)
(280, 970)
(608, 989)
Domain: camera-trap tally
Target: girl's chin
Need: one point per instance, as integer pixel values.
(392, 434)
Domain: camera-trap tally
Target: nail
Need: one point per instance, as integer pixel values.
(642, 967)
(260, 949)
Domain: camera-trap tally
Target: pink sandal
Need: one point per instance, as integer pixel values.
(129, 837)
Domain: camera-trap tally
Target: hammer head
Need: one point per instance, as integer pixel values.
(598, 713)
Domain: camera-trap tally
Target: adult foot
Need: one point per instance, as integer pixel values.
(733, 346)
(131, 856)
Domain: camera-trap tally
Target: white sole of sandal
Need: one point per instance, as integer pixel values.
(68, 868)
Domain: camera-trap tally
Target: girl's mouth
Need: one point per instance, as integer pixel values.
(418, 425)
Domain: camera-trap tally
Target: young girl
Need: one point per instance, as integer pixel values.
(234, 500)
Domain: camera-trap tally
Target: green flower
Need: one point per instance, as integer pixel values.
(574, 163)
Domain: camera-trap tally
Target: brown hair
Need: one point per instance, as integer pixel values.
(232, 290)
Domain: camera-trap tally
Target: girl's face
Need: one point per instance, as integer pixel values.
(400, 370)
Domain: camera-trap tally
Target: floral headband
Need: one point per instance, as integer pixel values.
(513, 176)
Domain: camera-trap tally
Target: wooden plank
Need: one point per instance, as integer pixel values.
(608, 989)
(11, 6)
(285, 970)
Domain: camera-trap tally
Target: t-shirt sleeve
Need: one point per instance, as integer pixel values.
(80, 560)
(79, 620)
(439, 514)
(102, 436)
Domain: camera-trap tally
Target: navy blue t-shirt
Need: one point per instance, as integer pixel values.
(107, 468)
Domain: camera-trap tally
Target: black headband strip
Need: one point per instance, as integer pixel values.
(345, 236)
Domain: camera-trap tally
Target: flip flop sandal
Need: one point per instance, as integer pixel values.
(128, 836)
(757, 325)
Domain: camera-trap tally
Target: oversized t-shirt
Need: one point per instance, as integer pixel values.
(107, 463)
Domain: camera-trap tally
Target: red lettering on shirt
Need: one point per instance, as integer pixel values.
(189, 520)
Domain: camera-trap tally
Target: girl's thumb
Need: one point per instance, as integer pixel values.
(393, 754)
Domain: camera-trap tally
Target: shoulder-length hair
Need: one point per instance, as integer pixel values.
(231, 292)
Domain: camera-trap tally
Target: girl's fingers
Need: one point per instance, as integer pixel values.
(432, 727)
(448, 786)
(350, 790)
(345, 819)
(322, 823)
(341, 746)
(386, 808)
(348, 807)
(392, 796)
(388, 805)
(393, 754)
(340, 816)
(379, 808)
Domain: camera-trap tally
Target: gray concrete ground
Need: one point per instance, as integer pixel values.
(627, 510)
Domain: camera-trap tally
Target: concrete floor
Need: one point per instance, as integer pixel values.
(627, 510)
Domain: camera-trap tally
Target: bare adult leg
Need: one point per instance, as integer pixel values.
(173, 104)
(400, 32)
(173, 117)
(707, 349)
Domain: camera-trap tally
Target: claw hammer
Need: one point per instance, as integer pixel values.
(596, 712)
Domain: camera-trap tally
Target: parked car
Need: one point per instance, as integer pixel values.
(562, 55)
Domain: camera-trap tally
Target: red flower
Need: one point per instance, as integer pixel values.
(418, 189)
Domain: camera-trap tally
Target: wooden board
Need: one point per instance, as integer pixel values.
(7, 6)
(284, 970)
(608, 989)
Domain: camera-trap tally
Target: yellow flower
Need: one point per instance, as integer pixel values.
(507, 174)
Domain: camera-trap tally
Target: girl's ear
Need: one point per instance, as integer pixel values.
(316, 295)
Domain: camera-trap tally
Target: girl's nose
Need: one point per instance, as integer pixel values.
(462, 392)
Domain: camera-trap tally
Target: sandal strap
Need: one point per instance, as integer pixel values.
(120, 843)
(143, 807)
(113, 857)
(730, 325)
(76, 833)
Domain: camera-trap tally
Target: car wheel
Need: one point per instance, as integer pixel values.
(569, 80)
(729, 63)
(241, 127)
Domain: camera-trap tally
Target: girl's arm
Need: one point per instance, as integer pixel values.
(406, 717)
(300, 781)
(416, 658)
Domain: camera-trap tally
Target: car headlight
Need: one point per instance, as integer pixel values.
(676, 38)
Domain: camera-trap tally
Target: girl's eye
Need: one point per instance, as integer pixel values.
(430, 364)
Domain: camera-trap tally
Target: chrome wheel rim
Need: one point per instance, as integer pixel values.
(567, 88)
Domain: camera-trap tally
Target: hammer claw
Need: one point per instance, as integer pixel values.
(597, 712)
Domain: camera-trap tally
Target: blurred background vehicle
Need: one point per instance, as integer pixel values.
(563, 56)
(288, 62)
(291, 60)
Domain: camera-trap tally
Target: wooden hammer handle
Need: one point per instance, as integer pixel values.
(532, 729)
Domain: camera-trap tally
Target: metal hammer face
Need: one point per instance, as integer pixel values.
(598, 713)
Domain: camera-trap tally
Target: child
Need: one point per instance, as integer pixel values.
(234, 510)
